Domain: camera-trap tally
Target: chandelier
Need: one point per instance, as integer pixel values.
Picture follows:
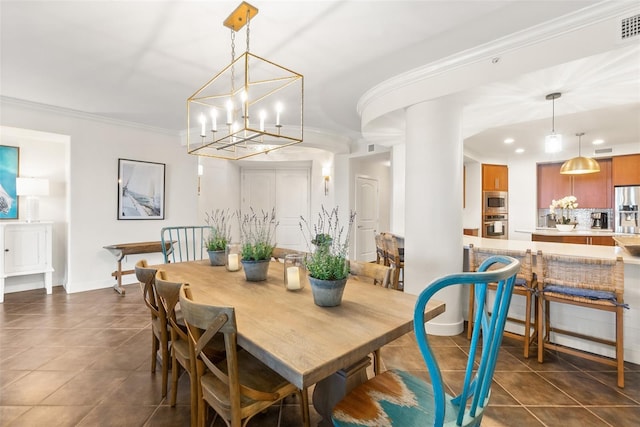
(553, 141)
(252, 106)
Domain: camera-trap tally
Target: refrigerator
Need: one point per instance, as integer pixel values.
(626, 210)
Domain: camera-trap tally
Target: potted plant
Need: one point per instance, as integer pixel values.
(327, 262)
(256, 239)
(219, 235)
(566, 205)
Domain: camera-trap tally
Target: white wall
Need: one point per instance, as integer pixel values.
(94, 149)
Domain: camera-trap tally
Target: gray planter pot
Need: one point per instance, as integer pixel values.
(327, 293)
(217, 257)
(256, 271)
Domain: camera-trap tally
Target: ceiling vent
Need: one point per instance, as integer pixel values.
(630, 27)
(603, 150)
(371, 148)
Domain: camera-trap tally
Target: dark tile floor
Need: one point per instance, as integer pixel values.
(83, 360)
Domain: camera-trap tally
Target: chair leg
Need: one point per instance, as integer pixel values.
(527, 324)
(472, 305)
(541, 329)
(155, 346)
(165, 370)
(194, 399)
(620, 346)
(175, 366)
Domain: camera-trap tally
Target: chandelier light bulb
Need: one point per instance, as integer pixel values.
(203, 122)
(263, 116)
(214, 120)
(229, 112)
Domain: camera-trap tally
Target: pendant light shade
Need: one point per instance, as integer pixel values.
(553, 141)
(580, 165)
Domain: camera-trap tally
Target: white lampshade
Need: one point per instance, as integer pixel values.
(553, 143)
(32, 186)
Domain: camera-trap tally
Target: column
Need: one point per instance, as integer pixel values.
(433, 203)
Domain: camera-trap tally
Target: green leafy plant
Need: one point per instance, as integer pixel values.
(328, 244)
(256, 234)
(220, 235)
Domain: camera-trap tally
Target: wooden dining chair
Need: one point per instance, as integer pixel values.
(396, 260)
(159, 326)
(240, 386)
(526, 287)
(398, 398)
(381, 252)
(377, 274)
(278, 254)
(184, 243)
(584, 282)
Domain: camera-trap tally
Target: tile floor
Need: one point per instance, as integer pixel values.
(83, 360)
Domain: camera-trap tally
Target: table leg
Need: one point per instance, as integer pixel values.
(328, 392)
(118, 286)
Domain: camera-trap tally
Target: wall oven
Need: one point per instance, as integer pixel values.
(495, 202)
(495, 226)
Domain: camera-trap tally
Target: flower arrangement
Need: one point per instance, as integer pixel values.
(328, 244)
(566, 205)
(220, 234)
(256, 234)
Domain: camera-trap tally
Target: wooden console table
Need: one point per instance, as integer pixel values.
(124, 249)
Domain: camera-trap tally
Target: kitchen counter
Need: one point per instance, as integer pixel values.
(552, 231)
(570, 249)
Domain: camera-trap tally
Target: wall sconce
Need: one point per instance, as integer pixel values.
(32, 188)
(326, 174)
(200, 173)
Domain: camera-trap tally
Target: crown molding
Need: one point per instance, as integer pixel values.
(68, 112)
(513, 42)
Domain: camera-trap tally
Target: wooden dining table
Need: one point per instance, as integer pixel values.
(305, 343)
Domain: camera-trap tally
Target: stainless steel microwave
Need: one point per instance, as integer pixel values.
(495, 202)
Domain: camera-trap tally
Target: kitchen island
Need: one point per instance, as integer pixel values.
(577, 318)
(579, 236)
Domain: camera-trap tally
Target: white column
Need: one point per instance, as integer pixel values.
(433, 203)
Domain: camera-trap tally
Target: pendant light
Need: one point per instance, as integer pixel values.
(553, 141)
(580, 165)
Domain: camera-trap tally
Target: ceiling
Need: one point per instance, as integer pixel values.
(138, 61)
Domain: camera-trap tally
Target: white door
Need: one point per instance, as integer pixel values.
(292, 201)
(366, 218)
(286, 190)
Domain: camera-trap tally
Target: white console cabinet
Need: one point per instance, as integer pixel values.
(26, 249)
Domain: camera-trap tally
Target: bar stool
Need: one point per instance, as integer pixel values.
(396, 260)
(525, 286)
(585, 282)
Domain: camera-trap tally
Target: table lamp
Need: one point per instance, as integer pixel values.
(32, 188)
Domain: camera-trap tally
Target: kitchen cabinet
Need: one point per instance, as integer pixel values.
(26, 250)
(626, 170)
(577, 239)
(592, 190)
(495, 177)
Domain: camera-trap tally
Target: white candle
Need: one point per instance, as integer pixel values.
(203, 122)
(278, 111)
(229, 112)
(233, 262)
(263, 116)
(293, 278)
(214, 120)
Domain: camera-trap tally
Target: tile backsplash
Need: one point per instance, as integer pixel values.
(583, 216)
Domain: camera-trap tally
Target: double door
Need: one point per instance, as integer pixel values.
(286, 190)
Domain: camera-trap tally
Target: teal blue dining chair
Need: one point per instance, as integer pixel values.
(397, 398)
(189, 243)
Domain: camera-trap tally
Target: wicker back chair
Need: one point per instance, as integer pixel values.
(526, 285)
(585, 282)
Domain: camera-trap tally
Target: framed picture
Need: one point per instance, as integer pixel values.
(9, 162)
(140, 190)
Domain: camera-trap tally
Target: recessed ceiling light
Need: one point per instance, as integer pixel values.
(519, 150)
(509, 140)
(598, 141)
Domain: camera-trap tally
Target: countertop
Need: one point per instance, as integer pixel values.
(570, 249)
(552, 231)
